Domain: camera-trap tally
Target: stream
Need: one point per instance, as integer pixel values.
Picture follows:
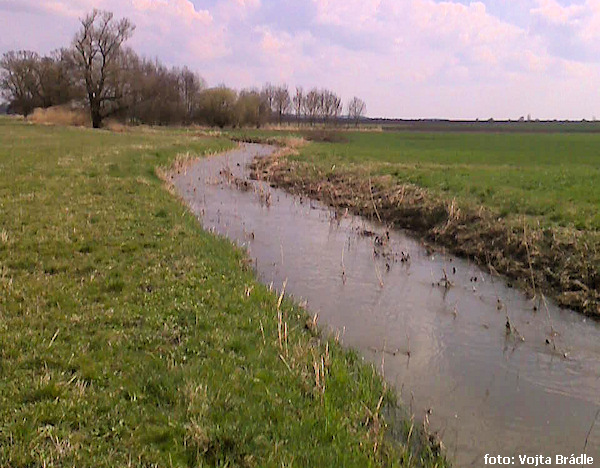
(434, 325)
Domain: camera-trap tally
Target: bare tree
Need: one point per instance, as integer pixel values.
(331, 106)
(356, 109)
(98, 46)
(19, 80)
(337, 108)
(191, 85)
(312, 104)
(58, 78)
(281, 101)
(55, 77)
(298, 102)
(28, 81)
(149, 92)
(268, 93)
(166, 103)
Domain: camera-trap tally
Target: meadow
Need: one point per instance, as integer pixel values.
(552, 178)
(131, 337)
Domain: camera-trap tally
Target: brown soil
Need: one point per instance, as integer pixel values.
(562, 263)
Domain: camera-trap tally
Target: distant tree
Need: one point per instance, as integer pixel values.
(281, 101)
(356, 110)
(331, 106)
(58, 80)
(28, 81)
(298, 103)
(143, 92)
(19, 80)
(167, 103)
(217, 106)
(191, 84)
(97, 50)
(251, 109)
(268, 93)
(337, 108)
(312, 104)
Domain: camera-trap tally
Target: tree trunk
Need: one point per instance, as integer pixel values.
(96, 117)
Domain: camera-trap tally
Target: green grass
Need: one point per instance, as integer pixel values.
(130, 337)
(550, 178)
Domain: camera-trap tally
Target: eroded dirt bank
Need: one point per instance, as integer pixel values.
(563, 264)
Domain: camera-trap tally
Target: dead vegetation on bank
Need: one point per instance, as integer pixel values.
(562, 263)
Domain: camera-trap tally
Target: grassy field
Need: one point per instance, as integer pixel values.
(554, 178)
(131, 337)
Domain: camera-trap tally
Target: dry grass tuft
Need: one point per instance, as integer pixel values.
(294, 142)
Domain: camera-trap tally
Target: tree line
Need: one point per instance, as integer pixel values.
(99, 72)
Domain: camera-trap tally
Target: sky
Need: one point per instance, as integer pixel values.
(405, 58)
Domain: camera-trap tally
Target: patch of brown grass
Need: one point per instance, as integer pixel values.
(115, 126)
(60, 115)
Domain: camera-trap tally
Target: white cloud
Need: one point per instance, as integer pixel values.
(456, 35)
(346, 13)
(582, 21)
(183, 10)
(248, 3)
(172, 29)
(555, 13)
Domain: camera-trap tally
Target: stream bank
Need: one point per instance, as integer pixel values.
(560, 263)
